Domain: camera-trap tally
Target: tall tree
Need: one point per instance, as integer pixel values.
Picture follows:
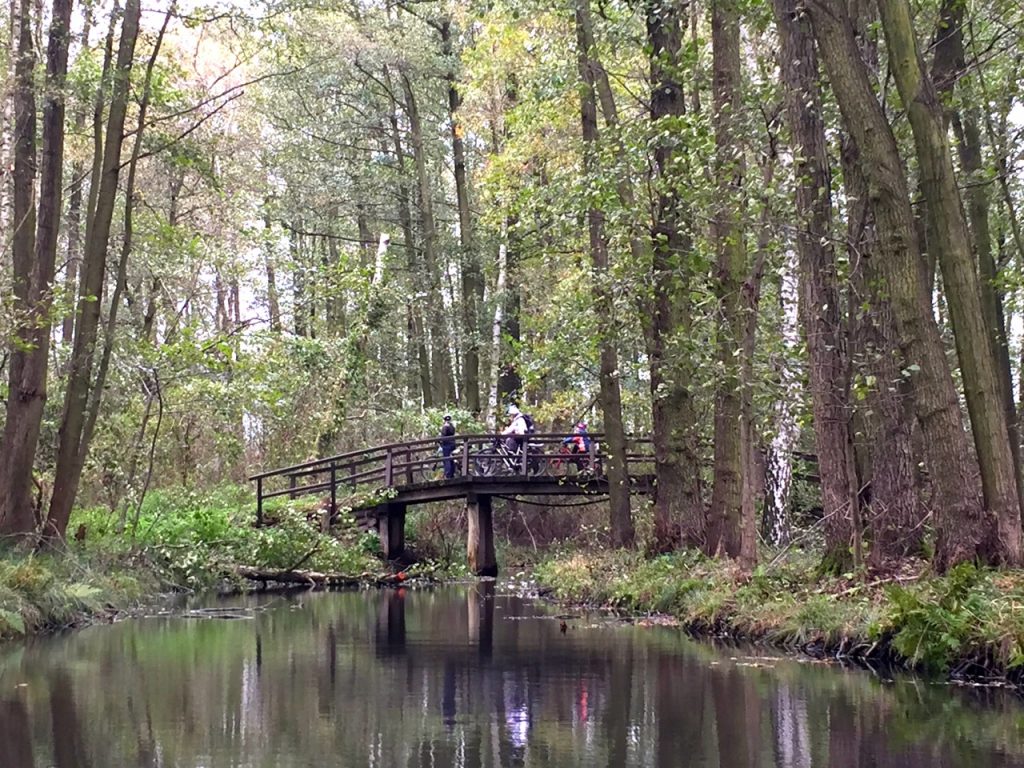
(34, 263)
(472, 280)
(729, 531)
(71, 451)
(886, 464)
(948, 73)
(678, 507)
(21, 428)
(74, 214)
(959, 520)
(441, 373)
(819, 281)
(621, 519)
(417, 353)
(950, 237)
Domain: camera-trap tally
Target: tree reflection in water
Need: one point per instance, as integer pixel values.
(469, 678)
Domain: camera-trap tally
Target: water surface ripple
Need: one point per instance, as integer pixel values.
(464, 677)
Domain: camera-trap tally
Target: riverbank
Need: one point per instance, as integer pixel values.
(179, 542)
(966, 625)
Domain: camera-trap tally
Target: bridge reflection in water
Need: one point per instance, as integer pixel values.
(465, 677)
(413, 473)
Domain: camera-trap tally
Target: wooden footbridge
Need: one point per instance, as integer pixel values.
(480, 468)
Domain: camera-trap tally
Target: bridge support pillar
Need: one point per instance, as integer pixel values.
(391, 530)
(480, 540)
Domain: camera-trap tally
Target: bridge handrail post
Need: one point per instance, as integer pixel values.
(465, 456)
(592, 450)
(293, 483)
(389, 473)
(334, 495)
(524, 465)
(259, 502)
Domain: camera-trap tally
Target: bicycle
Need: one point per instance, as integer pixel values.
(497, 459)
(433, 468)
(569, 455)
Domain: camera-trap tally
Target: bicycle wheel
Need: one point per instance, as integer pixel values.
(486, 465)
(545, 464)
(431, 470)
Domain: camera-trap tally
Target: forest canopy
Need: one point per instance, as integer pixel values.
(244, 235)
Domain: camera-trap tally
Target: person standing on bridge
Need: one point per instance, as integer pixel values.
(516, 429)
(448, 446)
(578, 444)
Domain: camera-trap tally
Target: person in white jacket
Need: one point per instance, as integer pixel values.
(516, 429)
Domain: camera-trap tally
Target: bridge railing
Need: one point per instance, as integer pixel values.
(422, 461)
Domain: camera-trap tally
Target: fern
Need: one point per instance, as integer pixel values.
(12, 621)
(934, 627)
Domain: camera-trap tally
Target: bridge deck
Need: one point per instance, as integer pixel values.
(461, 487)
(399, 474)
(481, 463)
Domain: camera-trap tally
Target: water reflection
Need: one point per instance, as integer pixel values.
(469, 678)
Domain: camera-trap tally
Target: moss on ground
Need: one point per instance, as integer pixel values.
(969, 622)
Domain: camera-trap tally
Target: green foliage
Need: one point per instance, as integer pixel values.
(947, 619)
(63, 589)
(195, 539)
(935, 623)
(12, 623)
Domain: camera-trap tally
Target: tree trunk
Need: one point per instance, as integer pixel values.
(510, 383)
(30, 356)
(887, 479)
(419, 359)
(819, 282)
(959, 521)
(728, 531)
(442, 388)
(98, 109)
(974, 343)
(121, 277)
(70, 451)
(678, 508)
(949, 67)
(750, 304)
(74, 217)
(27, 383)
(776, 526)
(472, 280)
(496, 326)
(893, 511)
(300, 291)
(273, 301)
(614, 448)
(7, 124)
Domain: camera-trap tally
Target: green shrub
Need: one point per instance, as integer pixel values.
(934, 624)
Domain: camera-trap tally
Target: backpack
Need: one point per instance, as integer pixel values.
(530, 427)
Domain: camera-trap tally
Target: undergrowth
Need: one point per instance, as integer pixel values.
(968, 621)
(51, 591)
(181, 540)
(194, 540)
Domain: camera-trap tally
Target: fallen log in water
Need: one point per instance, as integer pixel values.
(315, 578)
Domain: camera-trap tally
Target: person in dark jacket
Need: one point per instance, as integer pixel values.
(579, 439)
(578, 443)
(448, 446)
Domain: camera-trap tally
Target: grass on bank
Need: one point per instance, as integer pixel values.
(182, 541)
(194, 540)
(969, 621)
(40, 592)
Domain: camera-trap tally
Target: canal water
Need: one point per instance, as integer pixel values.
(464, 676)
